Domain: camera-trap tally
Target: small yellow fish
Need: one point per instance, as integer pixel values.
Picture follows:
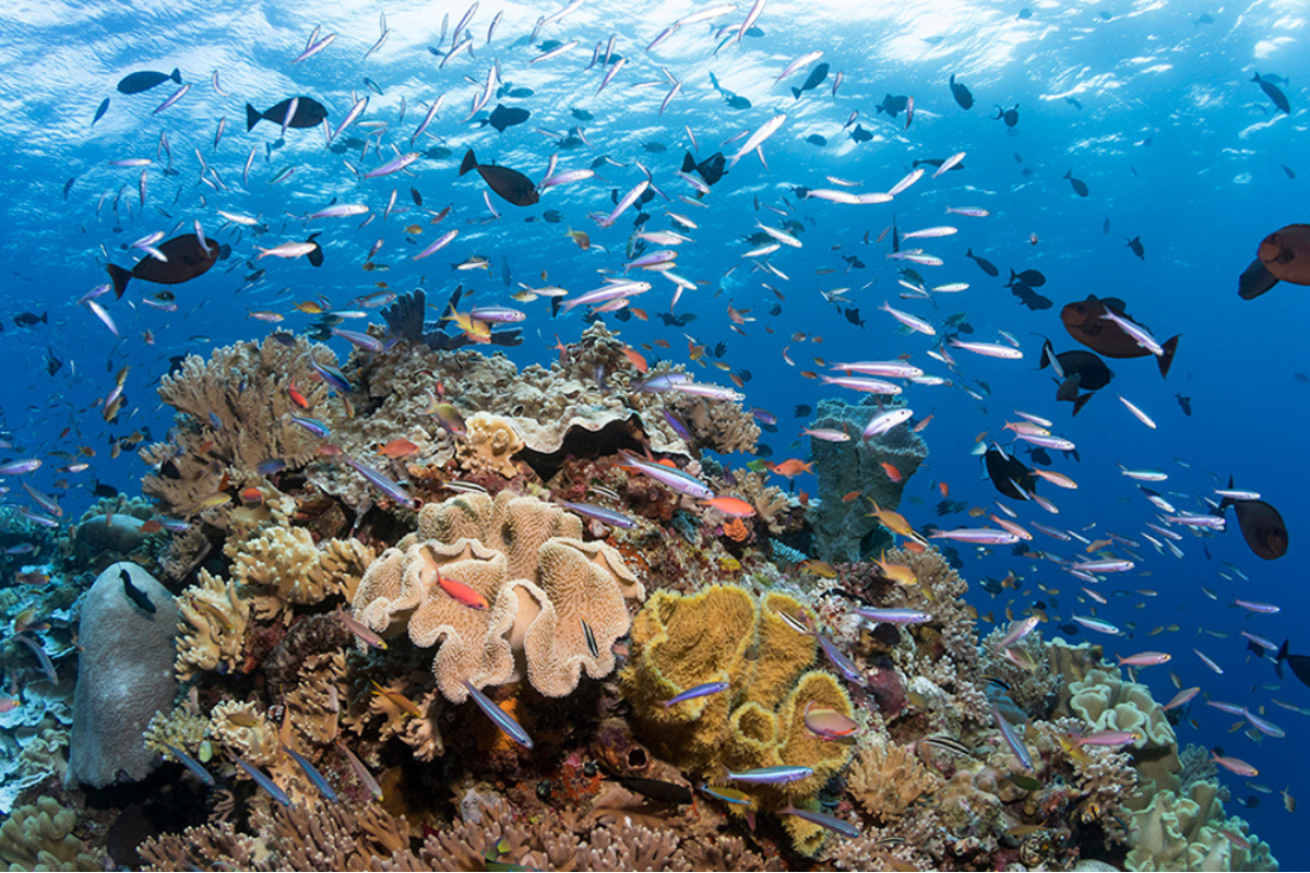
(414, 229)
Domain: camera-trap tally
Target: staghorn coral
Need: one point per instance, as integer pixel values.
(489, 445)
(885, 778)
(541, 581)
(40, 837)
(233, 413)
(844, 531)
(721, 634)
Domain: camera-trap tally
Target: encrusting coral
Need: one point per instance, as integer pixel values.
(545, 588)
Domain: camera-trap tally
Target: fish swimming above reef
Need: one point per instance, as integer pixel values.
(814, 80)
(135, 83)
(1009, 116)
(1009, 474)
(961, 94)
(1079, 186)
(1076, 371)
(893, 106)
(1136, 245)
(309, 113)
(1283, 255)
(505, 116)
(735, 101)
(511, 185)
(186, 261)
(859, 134)
(983, 264)
(1300, 664)
(711, 169)
(1104, 326)
(1262, 526)
(1272, 91)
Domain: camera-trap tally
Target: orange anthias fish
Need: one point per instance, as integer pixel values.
(891, 471)
(397, 448)
(296, 397)
(791, 467)
(893, 521)
(463, 593)
(731, 506)
(635, 358)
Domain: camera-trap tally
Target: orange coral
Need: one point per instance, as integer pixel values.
(736, 530)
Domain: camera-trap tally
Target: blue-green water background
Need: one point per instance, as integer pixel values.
(1173, 141)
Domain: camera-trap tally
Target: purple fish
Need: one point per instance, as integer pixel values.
(704, 690)
(599, 513)
(677, 424)
(502, 719)
(772, 775)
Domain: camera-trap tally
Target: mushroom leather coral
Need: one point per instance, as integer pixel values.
(540, 586)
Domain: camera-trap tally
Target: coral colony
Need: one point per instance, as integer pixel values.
(477, 624)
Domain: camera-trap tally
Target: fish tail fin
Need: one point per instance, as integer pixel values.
(119, 277)
(688, 162)
(45, 318)
(176, 75)
(968, 253)
(797, 92)
(1080, 402)
(1282, 653)
(469, 162)
(1068, 175)
(253, 117)
(1255, 78)
(1167, 358)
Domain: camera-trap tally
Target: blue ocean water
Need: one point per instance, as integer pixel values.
(1150, 104)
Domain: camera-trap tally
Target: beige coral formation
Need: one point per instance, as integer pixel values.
(241, 728)
(40, 837)
(769, 501)
(283, 566)
(541, 582)
(211, 627)
(1104, 701)
(885, 778)
(489, 445)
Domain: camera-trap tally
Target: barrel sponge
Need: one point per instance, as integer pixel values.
(124, 676)
(489, 444)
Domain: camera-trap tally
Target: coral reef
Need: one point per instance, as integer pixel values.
(886, 778)
(843, 531)
(40, 837)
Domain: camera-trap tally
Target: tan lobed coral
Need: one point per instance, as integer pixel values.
(1188, 833)
(234, 413)
(885, 778)
(769, 501)
(541, 582)
(283, 566)
(489, 445)
(211, 627)
(40, 837)
(1104, 701)
(243, 730)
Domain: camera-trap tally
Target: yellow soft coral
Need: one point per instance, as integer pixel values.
(212, 628)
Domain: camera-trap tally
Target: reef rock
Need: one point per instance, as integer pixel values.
(124, 676)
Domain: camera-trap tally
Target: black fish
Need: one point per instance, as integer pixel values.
(186, 260)
(1272, 92)
(52, 364)
(720, 349)
(1079, 186)
(1185, 403)
(68, 186)
(1262, 527)
(581, 114)
(1039, 455)
(815, 79)
(816, 139)
(135, 83)
(31, 319)
(504, 116)
(134, 594)
(1074, 102)
(853, 316)
(711, 169)
(1010, 116)
(309, 113)
(893, 106)
(859, 134)
(1255, 280)
(104, 107)
(1030, 298)
(1291, 174)
(1009, 474)
(655, 789)
(103, 490)
(315, 256)
(961, 94)
(1031, 278)
(801, 410)
(416, 197)
(1300, 664)
(1069, 628)
(987, 266)
(511, 185)
(1077, 371)
(853, 261)
(1136, 245)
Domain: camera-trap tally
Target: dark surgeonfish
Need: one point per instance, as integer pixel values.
(1272, 91)
(1086, 322)
(735, 101)
(1138, 249)
(961, 94)
(1009, 474)
(510, 184)
(1076, 371)
(309, 113)
(859, 134)
(983, 264)
(1262, 526)
(893, 106)
(1009, 116)
(186, 260)
(815, 79)
(135, 83)
(711, 169)
(1031, 278)
(505, 116)
(1300, 664)
(315, 256)
(1285, 255)
(1079, 186)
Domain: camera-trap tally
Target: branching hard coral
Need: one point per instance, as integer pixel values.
(234, 413)
(885, 778)
(40, 837)
(842, 530)
(769, 501)
(1032, 690)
